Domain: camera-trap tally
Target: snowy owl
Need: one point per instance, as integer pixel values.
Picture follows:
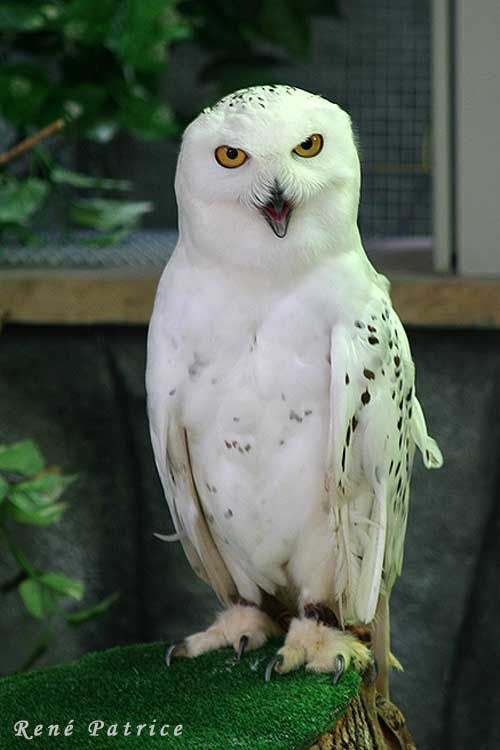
(281, 391)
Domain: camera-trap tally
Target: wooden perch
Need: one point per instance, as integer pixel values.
(370, 723)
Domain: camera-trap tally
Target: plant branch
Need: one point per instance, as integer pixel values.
(14, 582)
(38, 651)
(28, 143)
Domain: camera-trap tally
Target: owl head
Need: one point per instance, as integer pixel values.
(268, 176)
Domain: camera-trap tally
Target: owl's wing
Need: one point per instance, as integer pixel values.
(375, 424)
(172, 455)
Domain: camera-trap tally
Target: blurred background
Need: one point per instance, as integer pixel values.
(93, 99)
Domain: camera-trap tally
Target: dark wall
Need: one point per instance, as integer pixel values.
(79, 392)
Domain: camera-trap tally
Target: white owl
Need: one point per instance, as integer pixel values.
(280, 385)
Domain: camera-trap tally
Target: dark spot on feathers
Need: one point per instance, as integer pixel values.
(228, 444)
(236, 419)
(307, 412)
(293, 415)
(409, 394)
(401, 405)
(400, 422)
(359, 324)
(210, 518)
(354, 423)
(343, 459)
(427, 456)
(372, 329)
(171, 393)
(283, 397)
(397, 361)
(410, 413)
(235, 443)
(248, 447)
(369, 374)
(398, 468)
(391, 467)
(365, 397)
(399, 485)
(373, 340)
(328, 359)
(347, 381)
(228, 513)
(282, 442)
(348, 436)
(390, 344)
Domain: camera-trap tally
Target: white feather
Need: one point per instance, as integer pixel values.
(275, 420)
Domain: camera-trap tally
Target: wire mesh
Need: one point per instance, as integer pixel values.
(383, 79)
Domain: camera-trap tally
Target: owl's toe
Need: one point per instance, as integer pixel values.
(339, 669)
(277, 660)
(242, 646)
(175, 649)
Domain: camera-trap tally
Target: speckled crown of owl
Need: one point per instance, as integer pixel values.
(269, 178)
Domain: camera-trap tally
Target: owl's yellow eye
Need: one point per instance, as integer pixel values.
(310, 147)
(230, 157)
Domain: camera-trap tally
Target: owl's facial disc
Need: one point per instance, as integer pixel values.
(277, 212)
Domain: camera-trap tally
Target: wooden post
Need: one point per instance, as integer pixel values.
(371, 723)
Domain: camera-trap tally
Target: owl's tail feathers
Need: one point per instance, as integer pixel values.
(381, 645)
(432, 456)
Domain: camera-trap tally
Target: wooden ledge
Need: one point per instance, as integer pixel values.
(126, 297)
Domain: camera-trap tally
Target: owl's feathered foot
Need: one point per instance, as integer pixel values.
(320, 648)
(243, 627)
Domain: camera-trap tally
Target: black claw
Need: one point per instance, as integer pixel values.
(242, 646)
(339, 669)
(173, 650)
(277, 659)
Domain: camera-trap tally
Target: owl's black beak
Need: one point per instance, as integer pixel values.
(277, 212)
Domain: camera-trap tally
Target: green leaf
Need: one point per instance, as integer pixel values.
(21, 16)
(88, 21)
(142, 30)
(4, 488)
(23, 457)
(20, 509)
(146, 117)
(20, 199)
(39, 600)
(42, 491)
(63, 176)
(62, 584)
(107, 215)
(84, 615)
(24, 88)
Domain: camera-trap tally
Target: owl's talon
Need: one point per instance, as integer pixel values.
(277, 659)
(242, 646)
(176, 649)
(339, 669)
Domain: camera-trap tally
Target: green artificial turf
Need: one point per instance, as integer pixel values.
(221, 704)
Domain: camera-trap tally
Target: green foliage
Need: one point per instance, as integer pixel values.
(98, 64)
(30, 494)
